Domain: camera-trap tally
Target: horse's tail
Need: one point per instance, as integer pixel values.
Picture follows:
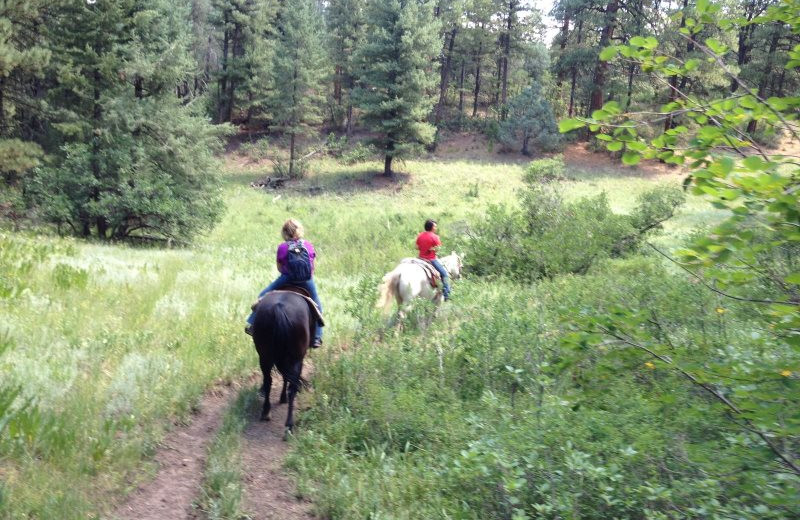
(274, 328)
(388, 290)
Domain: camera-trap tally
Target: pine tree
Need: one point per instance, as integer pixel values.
(398, 75)
(298, 74)
(530, 121)
(244, 33)
(346, 32)
(23, 58)
(133, 158)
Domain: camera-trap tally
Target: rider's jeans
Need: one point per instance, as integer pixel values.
(284, 280)
(443, 272)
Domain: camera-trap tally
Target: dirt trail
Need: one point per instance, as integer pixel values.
(268, 492)
(181, 461)
(181, 458)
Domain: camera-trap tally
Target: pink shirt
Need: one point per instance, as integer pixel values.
(283, 256)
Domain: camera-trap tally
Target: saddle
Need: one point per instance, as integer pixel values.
(434, 278)
(305, 294)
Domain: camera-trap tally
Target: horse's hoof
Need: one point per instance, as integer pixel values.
(286, 434)
(283, 400)
(266, 417)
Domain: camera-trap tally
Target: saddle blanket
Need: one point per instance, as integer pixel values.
(433, 275)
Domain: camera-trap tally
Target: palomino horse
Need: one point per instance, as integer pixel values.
(282, 332)
(409, 280)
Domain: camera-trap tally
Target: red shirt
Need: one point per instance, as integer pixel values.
(425, 241)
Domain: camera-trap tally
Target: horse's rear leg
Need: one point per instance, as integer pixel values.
(294, 387)
(283, 399)
(266, 370)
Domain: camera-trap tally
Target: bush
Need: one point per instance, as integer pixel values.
(280, 168)
(545, 170)
(255, 150)
(359, 153)
(547, 236)
(335, 146)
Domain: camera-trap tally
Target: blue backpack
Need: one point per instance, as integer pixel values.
(298, 263)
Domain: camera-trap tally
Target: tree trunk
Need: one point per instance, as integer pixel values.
(337, 85)
(512, 5)
(751, 10)
(765, 76)
(497, 81)
(387, 162)
(631, 71)
(562, 45)
(444, 78)
(574, 74)
(673, 80)
(138, 87)
(222, 85)
(599, 80)
(477, 92)
(349, 126)
(291, 155)
(461, 91)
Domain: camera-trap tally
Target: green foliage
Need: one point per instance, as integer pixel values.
(395, 76)
(297, 66)
(486, 415)
(530, 123)
(547, 236)
(131, 159)
(358, 154)
(753, 384)
(545, 170)
(256, 150)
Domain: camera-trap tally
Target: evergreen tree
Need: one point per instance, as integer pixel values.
(298, 73)
(530, 121)
(23, 58)
(346, 26)
(398, 75)
(133, 157)
(244, 40)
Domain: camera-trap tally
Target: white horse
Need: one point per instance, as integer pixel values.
(409, 280)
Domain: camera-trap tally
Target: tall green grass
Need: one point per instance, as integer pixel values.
(108, 346)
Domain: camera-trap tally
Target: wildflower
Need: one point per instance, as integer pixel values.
(720, 310)
(786, 373)
(650, 365)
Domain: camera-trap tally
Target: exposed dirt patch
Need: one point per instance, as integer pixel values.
(579, 155)
(181, 460)
(467, 146)
(268, 492)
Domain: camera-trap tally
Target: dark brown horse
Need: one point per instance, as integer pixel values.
(282, 332)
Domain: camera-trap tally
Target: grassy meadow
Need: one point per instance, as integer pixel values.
(107, 346)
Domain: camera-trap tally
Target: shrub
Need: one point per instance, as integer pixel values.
(281, 168)
(255, 150)
(547, 236)
(545, 170)
(335, 146)
(359, 153)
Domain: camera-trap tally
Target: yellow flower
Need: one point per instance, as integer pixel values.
(650, 365)
(786, 373)
(720, 310)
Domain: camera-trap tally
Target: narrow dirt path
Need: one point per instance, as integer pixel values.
(268, 492)
(181, 461)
